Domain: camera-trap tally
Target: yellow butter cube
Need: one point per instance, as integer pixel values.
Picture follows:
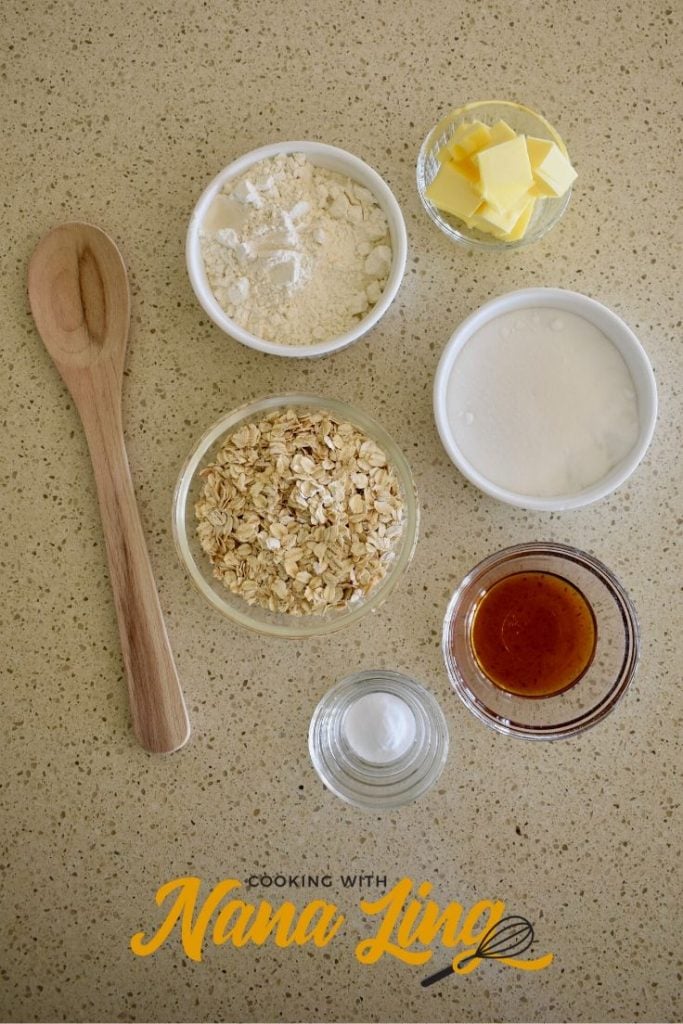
(468, 138)
(453, 193)
(479, 222)
(519, 229)
(507, 220)
(462, 164)
(501, 132)
(467, 169)
(505, 173)
(552, 171)
(483, 225)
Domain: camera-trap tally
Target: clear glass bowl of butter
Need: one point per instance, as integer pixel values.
(494, 175)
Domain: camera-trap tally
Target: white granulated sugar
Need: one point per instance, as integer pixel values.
(295, 253)
(542, 403)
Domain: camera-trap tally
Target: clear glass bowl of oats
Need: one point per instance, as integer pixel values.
(295, 515)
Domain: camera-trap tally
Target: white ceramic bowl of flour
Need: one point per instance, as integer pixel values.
(332, 159)
(545, 399)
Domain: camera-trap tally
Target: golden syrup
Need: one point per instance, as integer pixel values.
(533, 634)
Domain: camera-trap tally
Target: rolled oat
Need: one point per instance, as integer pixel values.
(300, 512)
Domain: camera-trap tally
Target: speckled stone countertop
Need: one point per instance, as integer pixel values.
(120, 114)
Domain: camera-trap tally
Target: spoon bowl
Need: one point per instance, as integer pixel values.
(78, 288)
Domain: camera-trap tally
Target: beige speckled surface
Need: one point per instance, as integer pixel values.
(120, 113)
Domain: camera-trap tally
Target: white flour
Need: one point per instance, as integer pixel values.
(295, 253)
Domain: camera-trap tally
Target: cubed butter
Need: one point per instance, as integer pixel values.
(469, 137)
(453, 193)
(553, 174)
(505, 173)
(490, 178)
(519, 229)
(485, 226)
(467, 168)
(501, 132)
(503, 221)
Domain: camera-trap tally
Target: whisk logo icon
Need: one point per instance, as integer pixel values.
(504, 941)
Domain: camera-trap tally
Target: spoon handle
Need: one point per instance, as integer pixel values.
(159, 715)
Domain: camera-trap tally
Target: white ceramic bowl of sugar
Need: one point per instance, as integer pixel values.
(333, 159)
(614, 329)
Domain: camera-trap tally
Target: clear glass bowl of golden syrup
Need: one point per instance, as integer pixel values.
(540, 641)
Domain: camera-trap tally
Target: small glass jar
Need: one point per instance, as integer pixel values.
(363, 761)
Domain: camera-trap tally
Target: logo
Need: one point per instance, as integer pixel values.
(404, 923)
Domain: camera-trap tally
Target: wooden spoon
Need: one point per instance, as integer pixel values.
(78, 290)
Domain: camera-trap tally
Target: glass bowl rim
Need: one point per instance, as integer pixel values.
(304, 625)
(598, 710)
(460, 238)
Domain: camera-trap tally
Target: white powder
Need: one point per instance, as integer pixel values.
(542, 403)
(295, 253)
(379, 727)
